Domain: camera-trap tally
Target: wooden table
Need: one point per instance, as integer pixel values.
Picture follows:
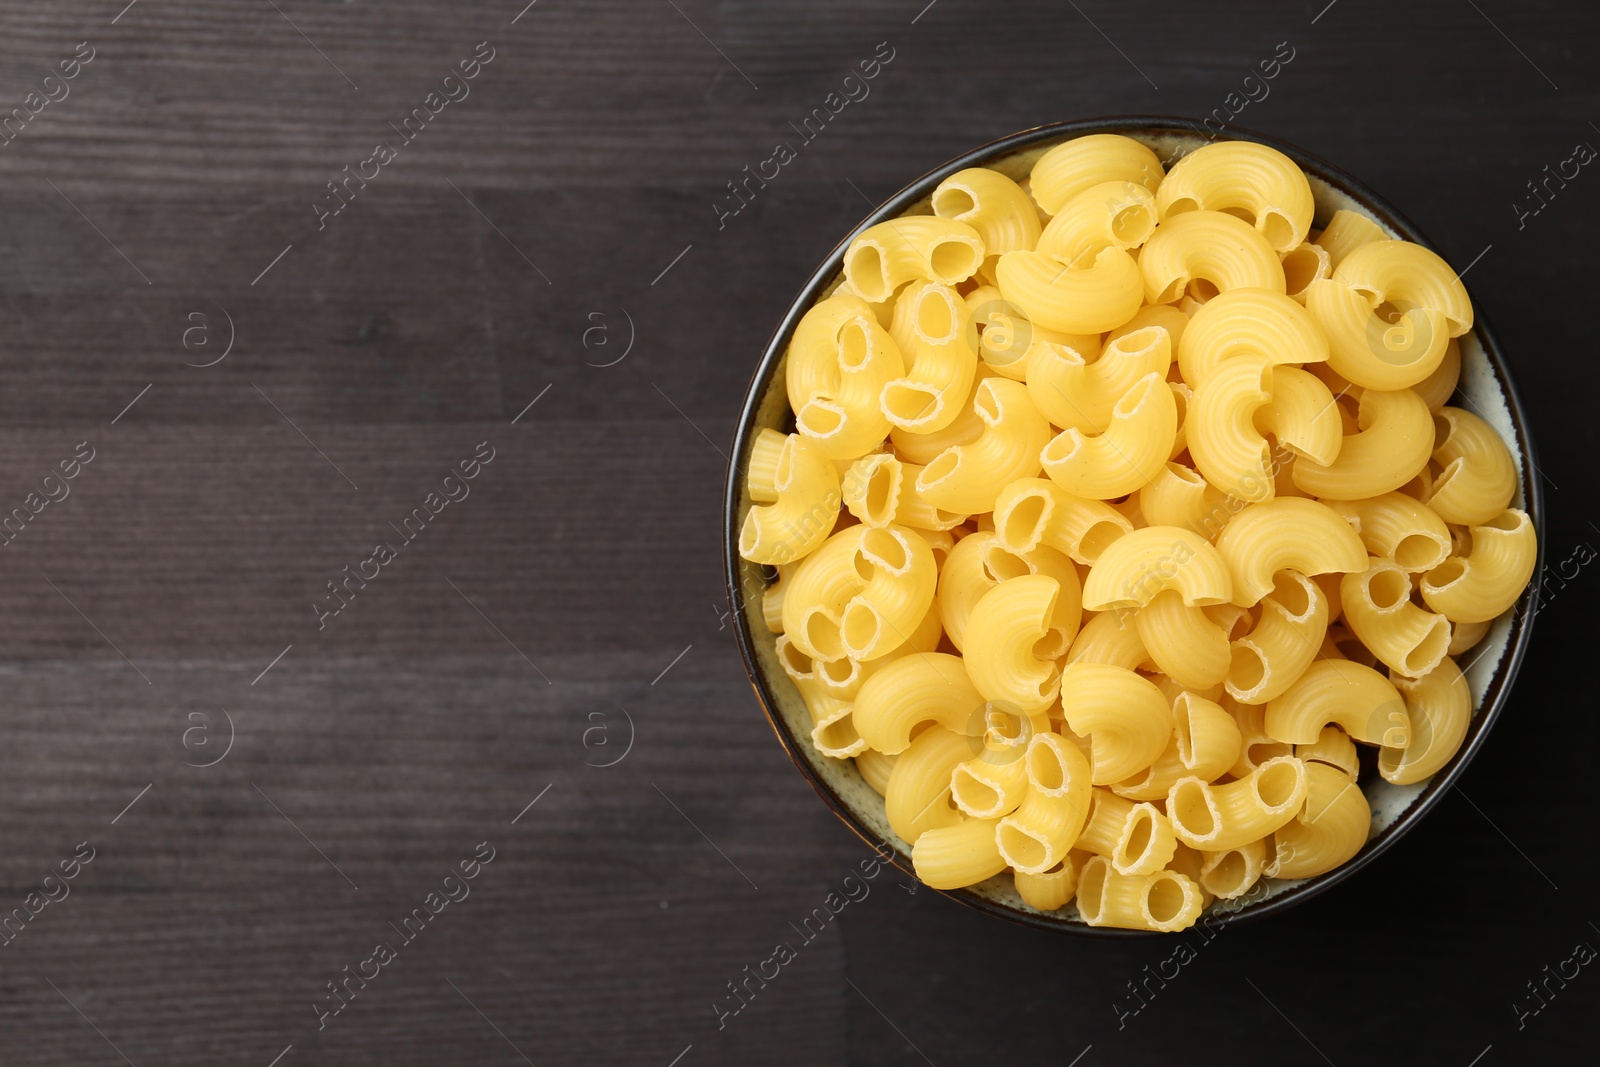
(548, 271)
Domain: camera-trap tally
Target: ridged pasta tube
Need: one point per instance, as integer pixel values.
(898, 578)
(833, 728)
(1392, 445)
(1334, 747)
(890, 254)
(1073, 166)
(1284, 533)
(1353, 697)
(1378, 609)
(968, 478)
(1178, 496)
(1124, 716)
(964, 854)
(1165, 900)
(1215, 818)
(1038, 834)
(1479, 586)
(1329, 829)
(1204, 253)
(1111, 639)
(1147, 842)
(1034, 511)
(1479, 477)
(1184, 642)
(803, 485)
(1133, 449)
(1262, 322)
(930, 327)
(1407, 275)
(911, 690)
(1346, 231)
(1005, 632)
(1230, 873)
(1053, 888)
(1138, 566)
(1371, 351)
(1243, 176)
(1398, 528)
(1074, 393)
(1277, 650)
(1440, 706)
(993, 205)
(1093, 298)
(1113, 214)
(918, 798)
(980, 562)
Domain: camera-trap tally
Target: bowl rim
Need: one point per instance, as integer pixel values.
(1524, 612)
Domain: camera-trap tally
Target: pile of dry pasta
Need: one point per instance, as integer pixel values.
(1121, 508)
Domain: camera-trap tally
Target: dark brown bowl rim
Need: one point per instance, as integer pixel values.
(1533, 499)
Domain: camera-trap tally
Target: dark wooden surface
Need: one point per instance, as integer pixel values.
(577, 588)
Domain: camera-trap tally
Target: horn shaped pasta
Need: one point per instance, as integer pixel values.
(886, 256)
(843, 379)
(1248, 322)
(1241, 175)
(1408, 276)
(1357, 699)
(1072, 392)
(1330, 829)
(1204, 253)
(918, 797)
(1288, 532)
(1479, 478)
(1440, 706)
(1293, 621)
(1038, 834)
(1138, 566)
(1073, 166)
(1215, 818)
(968, 478)
(1034, 511)
(953, 856)
(1053, 888)
(912, 690)
(980, 562)
(930, 326)
(1006, 632)
(993, 205)
(1165, 900)
(1125, 717)
(1231, 873)
(1185, 643)
(1347, 231)
(1109, 215)
(1132, 450)
(1398, 528)
(1177, 496)
(1379, 611)
(1146, 844)
(1093, 298)
(1333, 747)
(1372, 351)
(1302, 265)
(803, 487)
(1489, 579)
(896, 596)
(1110, 639)
(1391, 446)
(833, 727)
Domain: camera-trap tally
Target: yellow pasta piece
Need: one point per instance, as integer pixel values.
(1302, 265)
(1165, 900)
(1261, 322)
(930, 328)
(980, 562)
(1230, 873)
(1379, 611)
(1006, 632)
(1178, 496)
(1285, 533)
(1356, 698)
(1204, 253)
(1392, 445)
(911, 690)
(1398, 528)
(1281, 645)
(875, 768)
(1437, 388)
(1146, 844)
(993, 205)
(1183, 640)
(1038, 834)
(1333, 747)
(1133, 449)
(968, 478)
(1138, 566)
(1125, 717)
(1033, 511)
(1479, 478)
(1111, 639)
(1072, 392)
(1053, 888)
(1479, 586)
(1347, 231)
(1256, 747)
(964, 854)
(1098, 296)
(888, 255)
(803, 486)
(1260, 182)
(1073, 166)
(1440, 706)
(1113, 214)
(1215, 818)
(1331, 828)
(918, 797)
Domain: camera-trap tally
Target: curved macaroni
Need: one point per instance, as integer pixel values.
(1125, 717)
(1391, 446)
(1038, 834)
(1073, 166)
(1204, 253)
(1287, 532)
(1355, 698)
(1216, 818)
(1379, 611)
(1165, 900)
(1006, 631)
(1261, 322)
(993, 205)
(1479, 478)
(1132, 450)
(968, 478)
(1071, 392)
(1101, 295)
(803, 487)
(1398, 528)
(1146, 562)
(1488, 580)
(1440, 706)
(888, 255)
(912, 690)
(1242, 176)
(1266, 661)
(1330, 829)
(930, 328)
(1033, 511)
(1113, 214)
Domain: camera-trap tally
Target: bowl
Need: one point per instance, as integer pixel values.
(1485, 388)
